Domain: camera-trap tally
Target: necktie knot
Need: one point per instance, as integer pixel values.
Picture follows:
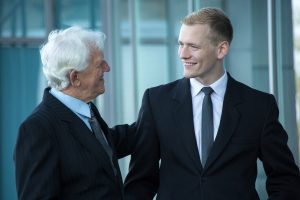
(207, 90)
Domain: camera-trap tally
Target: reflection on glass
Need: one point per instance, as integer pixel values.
(296, 26)
(77, 12)
(22, 18)
(158, 27)
(35, 18)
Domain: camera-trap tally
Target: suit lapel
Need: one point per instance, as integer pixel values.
(76, 127)
(229, 120)
(183, 115)
(83, 135)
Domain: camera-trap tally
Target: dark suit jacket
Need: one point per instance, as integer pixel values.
(58, 157)
(249, 129)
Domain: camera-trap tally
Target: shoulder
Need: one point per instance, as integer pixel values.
(169, 88)
(249, 95)
(246, 90)
(36, 133)
(41, 123)
(39, 115)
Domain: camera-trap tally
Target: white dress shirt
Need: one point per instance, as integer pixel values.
(217, 98)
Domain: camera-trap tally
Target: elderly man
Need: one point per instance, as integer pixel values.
(64, 149)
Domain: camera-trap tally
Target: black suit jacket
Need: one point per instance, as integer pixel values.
(249, 129)
(58, 157)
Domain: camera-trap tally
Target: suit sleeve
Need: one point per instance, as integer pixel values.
(36, 162)
(124, 139)
(283, 179)
(143, 177)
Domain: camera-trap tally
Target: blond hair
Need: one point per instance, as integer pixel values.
(220, 25)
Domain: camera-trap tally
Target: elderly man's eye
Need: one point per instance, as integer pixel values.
(103, 63)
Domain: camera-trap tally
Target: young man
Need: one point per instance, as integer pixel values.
(199, 137)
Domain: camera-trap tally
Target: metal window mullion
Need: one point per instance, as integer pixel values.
(110, 26)
(1, 23)
(279, 60)
(275, 53)
(92, 14)
(171, 41)
(117, 64)
(14, 23)
(109, 97)
(49, 15)
(115, 57)
(191, 6)
(23, 17)
(21, 41)
(6, 17)
(134, 46)
(271, 49)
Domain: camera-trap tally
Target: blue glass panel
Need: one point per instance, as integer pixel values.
(77, 12)
(22, 18)
(19, 83)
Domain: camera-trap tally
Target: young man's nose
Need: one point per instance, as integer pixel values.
(183, 52)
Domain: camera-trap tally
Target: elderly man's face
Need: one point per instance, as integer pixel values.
(92, 78)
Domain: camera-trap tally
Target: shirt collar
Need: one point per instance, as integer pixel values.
(76, 105)
(218, 86)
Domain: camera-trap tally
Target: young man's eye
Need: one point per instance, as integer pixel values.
(195, 47)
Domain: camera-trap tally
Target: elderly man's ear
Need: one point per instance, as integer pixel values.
(74, 80)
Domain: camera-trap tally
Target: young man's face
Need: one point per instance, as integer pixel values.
(200, 57)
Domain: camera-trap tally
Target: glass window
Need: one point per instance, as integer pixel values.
(35, 18)
(146, 33)
(141, 48)
(157, 31)
(296, 29)
(77, 12)
(22, 18)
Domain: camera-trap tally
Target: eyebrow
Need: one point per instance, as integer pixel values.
(189, 43)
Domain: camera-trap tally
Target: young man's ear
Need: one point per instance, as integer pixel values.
(223, 48)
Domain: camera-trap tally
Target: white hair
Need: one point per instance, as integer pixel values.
(68, 50)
